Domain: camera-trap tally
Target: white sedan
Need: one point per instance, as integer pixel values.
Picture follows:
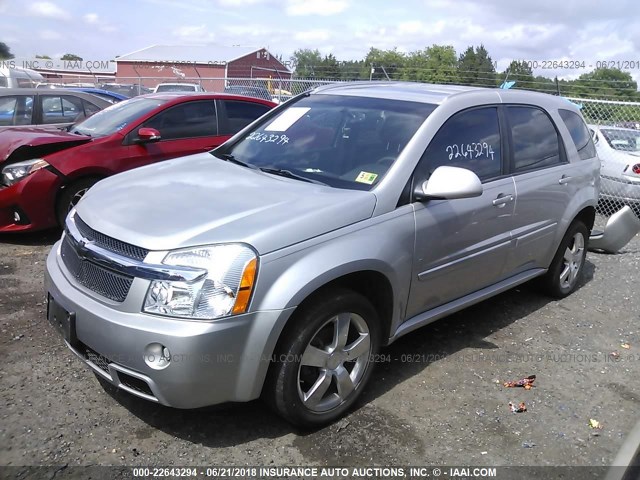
(619, 152)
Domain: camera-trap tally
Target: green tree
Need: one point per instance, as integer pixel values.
(5, 52)
(434, 64)
(71, 57)
(305, 61)
(45, 57)
(606, 83)
(353, 70)
(475, 67)
(385, 64)
(519, 72)
(328, 68)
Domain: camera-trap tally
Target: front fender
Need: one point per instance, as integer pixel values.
(383, 244)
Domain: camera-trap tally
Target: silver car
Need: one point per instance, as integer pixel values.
(619, 152)
(280, 263)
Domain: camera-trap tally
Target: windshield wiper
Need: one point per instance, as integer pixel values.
(228, 157)
(289, 174)
(78, 132)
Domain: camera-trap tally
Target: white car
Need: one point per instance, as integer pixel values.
(178, 87)
(619, 152)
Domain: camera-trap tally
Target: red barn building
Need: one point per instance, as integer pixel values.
(212, 66)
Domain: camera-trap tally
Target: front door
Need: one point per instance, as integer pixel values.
(461, 245)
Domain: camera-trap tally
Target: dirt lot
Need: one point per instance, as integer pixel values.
(439, 400)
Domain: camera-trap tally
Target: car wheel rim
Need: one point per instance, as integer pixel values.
(76, 197)
(573, 258)
(334, 362)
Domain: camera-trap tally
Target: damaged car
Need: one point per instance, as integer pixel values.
(43, 173)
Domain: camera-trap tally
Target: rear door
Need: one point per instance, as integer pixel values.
(59, 111)
(234, 115)
(462, 245)
(545, 182)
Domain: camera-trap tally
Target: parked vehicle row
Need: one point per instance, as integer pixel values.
(20, 107)
(278, 264)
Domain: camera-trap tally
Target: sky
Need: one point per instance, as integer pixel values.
(586, 31)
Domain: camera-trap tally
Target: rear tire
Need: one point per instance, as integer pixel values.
(323, 360)
(567, 266)
(71, 195)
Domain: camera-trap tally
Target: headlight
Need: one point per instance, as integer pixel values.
(225, 290)
(16, 171)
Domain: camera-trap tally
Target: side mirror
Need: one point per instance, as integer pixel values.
(148, 135)
(449, 183)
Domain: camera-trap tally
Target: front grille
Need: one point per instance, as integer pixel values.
(98, 360)
(109, 243)
(107, 283)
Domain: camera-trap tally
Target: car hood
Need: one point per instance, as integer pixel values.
(200, 199)
(36, 141)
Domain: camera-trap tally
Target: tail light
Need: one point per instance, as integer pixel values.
(636, 169)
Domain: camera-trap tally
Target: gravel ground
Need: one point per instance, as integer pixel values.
(436, 397)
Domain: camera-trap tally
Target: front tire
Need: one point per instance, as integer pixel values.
(70, 196)
(323, 360)
(567, 265)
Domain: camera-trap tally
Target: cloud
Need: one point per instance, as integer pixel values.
(47, 9)
(50, 35)
(239, 3)
(316, 7)
(193, 34)
(317, 35)
(91, 18)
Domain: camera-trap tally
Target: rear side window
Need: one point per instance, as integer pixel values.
(16, 110)
(579, 134)
(535, 139)
(469, 139)
(56, 109)
(240, 114)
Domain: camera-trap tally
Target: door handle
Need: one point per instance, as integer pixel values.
(564, 179)
(502, 200)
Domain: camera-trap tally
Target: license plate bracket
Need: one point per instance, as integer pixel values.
(61, 320)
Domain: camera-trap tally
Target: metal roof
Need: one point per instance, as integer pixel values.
(433, 93)
(410, 91)
(201, 54)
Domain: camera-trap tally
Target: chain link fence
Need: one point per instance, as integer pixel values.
(615, 129)
(614, 125)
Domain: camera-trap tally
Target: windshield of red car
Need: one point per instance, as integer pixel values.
(116, 117)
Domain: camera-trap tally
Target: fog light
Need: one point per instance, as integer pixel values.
(16, 217)
(157, 356)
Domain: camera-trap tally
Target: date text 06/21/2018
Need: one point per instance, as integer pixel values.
(581, 64)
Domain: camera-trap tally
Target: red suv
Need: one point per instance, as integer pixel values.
(43, 174)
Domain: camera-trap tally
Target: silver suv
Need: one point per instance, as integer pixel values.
(280, 263)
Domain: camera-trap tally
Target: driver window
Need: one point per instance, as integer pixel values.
(469, 139)
(186, 120)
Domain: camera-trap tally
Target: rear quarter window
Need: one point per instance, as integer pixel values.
(579, 134)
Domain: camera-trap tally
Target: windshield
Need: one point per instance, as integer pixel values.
(623, 140)
(342, 141)
(175, 88)
(117, 117)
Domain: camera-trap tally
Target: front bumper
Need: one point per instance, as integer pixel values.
(34, 199)
(211, 362)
